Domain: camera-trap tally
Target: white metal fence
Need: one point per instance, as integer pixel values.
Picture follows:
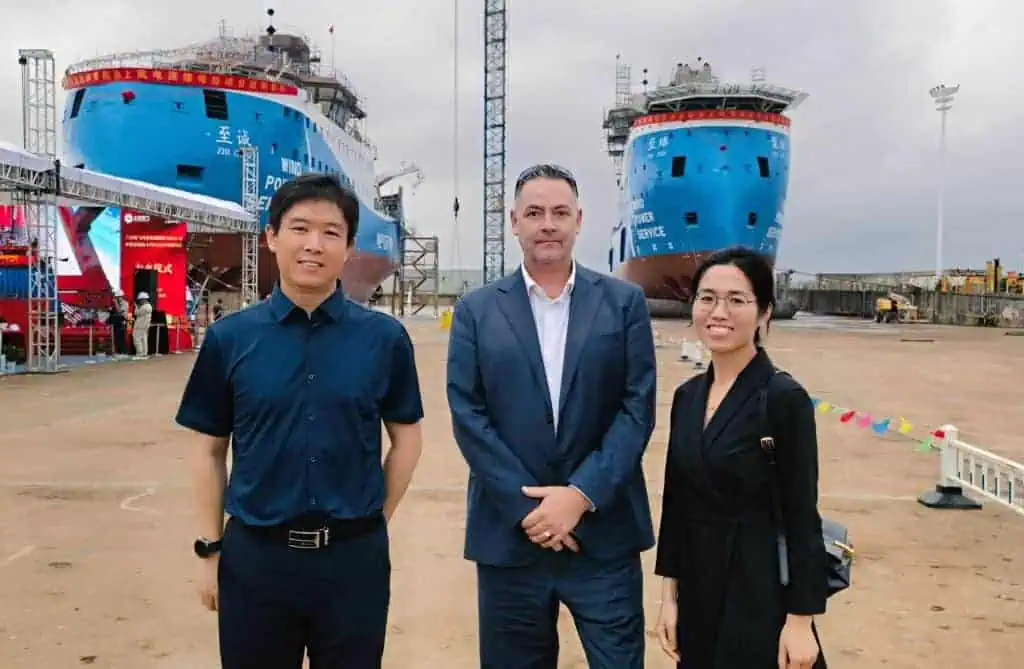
(965, 467)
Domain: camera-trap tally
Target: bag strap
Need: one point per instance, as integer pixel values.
(768, 446)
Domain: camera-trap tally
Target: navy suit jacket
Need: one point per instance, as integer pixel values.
(504, 426)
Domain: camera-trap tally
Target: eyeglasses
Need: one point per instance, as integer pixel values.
(708, 301)
(546, 170)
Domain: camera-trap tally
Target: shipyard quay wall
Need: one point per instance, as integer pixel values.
(1001, 310)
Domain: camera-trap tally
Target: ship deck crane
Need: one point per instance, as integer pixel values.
(405, 169)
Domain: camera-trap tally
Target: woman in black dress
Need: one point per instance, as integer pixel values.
(723, 604)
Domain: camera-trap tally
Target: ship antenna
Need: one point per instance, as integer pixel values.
(271, 29)
(333, 43)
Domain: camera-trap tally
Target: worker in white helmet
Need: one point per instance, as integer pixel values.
(140, 328)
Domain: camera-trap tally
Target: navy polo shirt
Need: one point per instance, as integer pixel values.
(302, 398)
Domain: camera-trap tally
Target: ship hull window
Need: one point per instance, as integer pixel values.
(762, 167)
(679, 166)
(76, 105)
(190, 172)
(216, 104)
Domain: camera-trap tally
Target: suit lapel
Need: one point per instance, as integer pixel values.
(583, 309)
(514, 303)
(696, 437)
(698, 442)
(749, 382)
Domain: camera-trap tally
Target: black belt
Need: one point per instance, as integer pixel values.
(316, 532)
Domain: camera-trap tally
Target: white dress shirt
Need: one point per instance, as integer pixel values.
(551, 317)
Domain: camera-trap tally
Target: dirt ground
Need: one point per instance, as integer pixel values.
(96, 525)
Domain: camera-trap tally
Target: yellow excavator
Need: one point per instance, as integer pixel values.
(895, 309)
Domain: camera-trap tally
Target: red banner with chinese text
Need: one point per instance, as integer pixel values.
(176, 78)
(150, 242)
(14, 256)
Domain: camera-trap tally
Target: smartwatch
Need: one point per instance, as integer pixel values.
(205, 548)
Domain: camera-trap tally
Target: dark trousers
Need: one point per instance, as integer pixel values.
(117, 333)
(518, 611)
(276, 602)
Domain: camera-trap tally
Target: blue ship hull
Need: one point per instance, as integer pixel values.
(691, 188)
(163, 135)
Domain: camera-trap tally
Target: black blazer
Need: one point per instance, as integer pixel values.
(717, 533)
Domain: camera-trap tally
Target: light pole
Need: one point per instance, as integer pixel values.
(943, 96)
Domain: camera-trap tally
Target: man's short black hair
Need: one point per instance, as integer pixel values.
(315, 187)
(546, 171)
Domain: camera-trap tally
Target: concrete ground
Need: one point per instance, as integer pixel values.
(96, 518)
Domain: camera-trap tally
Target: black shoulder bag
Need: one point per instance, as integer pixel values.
(836, 542)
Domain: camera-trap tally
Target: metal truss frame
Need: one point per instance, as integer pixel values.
(198, 220)
(39, 126)
(250, 240)
(495, 98)
(419, 275)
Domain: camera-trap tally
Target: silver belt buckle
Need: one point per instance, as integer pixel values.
(308, 539)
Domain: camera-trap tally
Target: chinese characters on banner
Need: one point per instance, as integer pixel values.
(177, 78)
(14, 256)
(151, 243)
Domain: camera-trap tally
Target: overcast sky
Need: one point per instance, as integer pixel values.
(863, 188)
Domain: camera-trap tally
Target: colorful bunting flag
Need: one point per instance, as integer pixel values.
(905, 426)
(882, 426)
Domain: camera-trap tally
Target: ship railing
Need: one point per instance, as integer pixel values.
(227, 48)
(963, 466)
(356, 131)
(240, 63)
(226, 54)
(777, 94)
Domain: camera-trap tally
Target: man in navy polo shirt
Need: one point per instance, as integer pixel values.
(300, 384)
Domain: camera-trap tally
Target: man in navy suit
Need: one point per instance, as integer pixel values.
(551, 385)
